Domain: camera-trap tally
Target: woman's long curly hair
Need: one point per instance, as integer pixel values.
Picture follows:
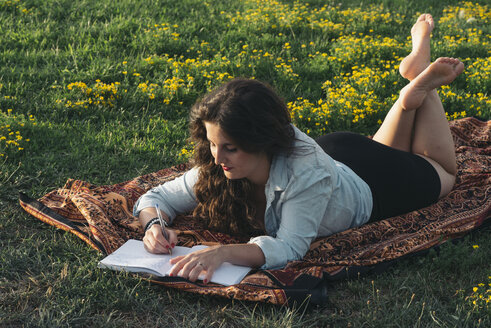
(257, 121)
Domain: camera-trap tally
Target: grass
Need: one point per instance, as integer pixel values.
(100, 90)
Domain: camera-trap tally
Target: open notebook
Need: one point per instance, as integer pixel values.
(133, 257)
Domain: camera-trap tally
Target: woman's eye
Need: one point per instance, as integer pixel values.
(231, 150)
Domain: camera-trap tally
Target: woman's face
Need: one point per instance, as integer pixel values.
(235, 162)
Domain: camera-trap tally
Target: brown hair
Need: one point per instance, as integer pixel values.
(257, 120)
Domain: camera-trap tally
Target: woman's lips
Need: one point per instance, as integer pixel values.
(226, 168)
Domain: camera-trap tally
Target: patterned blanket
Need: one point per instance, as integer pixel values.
(101, 216)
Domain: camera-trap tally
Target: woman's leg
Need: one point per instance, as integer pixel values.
(417, 122)
(432, 138)
(419, 108)
(397, 129)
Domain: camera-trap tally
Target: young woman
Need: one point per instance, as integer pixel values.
(255, 173)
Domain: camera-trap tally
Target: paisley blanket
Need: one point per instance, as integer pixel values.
(101, 216)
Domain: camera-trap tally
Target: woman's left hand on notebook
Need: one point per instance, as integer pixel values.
(192, 265)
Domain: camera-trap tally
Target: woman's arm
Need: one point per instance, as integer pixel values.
(173, 197)
(149, 213)
(209, 259)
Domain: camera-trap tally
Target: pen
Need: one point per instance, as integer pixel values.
(162, 225)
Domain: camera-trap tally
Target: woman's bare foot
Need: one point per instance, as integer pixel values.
(442, 72)
(419, 58)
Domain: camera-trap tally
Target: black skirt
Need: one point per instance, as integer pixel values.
(400, 181)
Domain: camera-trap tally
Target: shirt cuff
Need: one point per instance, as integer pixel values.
(144, 202)
(275, 255)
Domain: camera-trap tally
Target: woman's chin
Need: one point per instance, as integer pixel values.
(231, 176)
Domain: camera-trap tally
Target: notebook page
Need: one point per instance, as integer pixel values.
(133, 256)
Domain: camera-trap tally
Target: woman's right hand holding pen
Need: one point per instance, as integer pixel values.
(155, 242)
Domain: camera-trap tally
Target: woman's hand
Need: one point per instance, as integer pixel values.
(190, 266)
(210, 259)
(155, 242)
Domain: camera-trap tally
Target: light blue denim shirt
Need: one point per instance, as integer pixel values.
(308, 195)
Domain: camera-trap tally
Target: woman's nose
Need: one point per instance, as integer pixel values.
(218, 157)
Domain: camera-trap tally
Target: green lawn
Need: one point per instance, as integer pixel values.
(100, 91)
